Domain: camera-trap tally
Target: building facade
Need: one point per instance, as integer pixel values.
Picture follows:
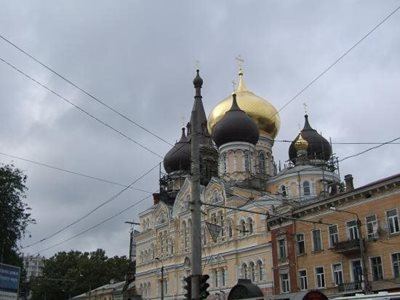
(345, 244)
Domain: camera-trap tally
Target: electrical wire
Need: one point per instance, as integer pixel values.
(71, 172)
(338, 60)
(91, 211)
(79, 108)
(340, 143)
(83, 90)
(94, 226)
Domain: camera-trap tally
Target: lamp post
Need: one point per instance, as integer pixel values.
(365, 282)
(162, 278)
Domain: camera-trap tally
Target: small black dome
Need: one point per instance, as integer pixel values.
(235, 126)
(178, 158)
(318, 146)
(197, 81)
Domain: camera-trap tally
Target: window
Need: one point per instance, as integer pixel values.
(372, 227)
(250, 225)
(252, 272)
(247, 161)
(306, 188)
(261, 163)
(215, 278)
(282, 249)
(320, 277)
(260, 270)
(352, 231)
(396, 264)
(244, 271)
(337, 274)
(317, 244)
(301, 249)
(223, 277)
(333, 235)
(283, 191)
(393, 221)
(285, 287)
(303, 280)
(376, 268)
(242, 228)
(221, 223)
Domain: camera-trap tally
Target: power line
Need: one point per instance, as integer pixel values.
(71, 172)
(340, 143)
(338, 59)
(369, 149)
(78, 107)
(96, 225)
(83, 90)
(91, 211)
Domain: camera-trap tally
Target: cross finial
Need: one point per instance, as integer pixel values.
(298, 126)
(305, 107)
(234, 85)
(197, 64)
(183, 120)
(239, 61)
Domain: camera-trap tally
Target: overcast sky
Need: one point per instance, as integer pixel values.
(140, 58)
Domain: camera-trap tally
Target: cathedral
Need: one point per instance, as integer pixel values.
(241, 185)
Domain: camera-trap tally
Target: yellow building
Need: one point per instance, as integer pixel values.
(241, 184)
(342, 245)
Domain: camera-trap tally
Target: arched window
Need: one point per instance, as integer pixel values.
(252, 272)
(306, 188)
(250, 226)
(229, 228)
(261, 162)
(184, 234)
(247, 161)
(260, 270)
(242, 228)
(244, 271)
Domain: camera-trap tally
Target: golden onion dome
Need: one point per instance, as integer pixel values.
(260, 110)
(301, 144)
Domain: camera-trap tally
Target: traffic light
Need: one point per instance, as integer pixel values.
(188, 287)
(203, 287)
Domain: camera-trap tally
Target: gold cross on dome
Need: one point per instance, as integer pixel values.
(305, 107)
(234, 85)
(239, 61)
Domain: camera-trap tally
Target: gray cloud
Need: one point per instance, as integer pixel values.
(139, 57)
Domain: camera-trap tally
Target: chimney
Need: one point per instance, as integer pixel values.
(348, 179)
(156, 198)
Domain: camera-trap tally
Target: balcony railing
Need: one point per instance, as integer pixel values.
(350, 286)
(346, 247)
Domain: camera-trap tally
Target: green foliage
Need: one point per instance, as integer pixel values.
(72, 273)
(14, 213)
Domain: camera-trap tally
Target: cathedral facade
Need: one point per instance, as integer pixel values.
(241, 187)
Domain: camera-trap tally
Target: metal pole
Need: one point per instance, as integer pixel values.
(195, 205)
(365, 281)
(162, 282)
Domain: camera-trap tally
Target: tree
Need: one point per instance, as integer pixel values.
(14, 213)
(68, 274)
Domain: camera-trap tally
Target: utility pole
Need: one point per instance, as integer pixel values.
(195, 205)
(131, 238)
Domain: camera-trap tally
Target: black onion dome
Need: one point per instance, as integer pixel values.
(235, 126)
(178, 158)
(318, 146)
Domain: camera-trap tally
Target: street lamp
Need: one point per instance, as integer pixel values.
(162, 278)
(365, 281)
